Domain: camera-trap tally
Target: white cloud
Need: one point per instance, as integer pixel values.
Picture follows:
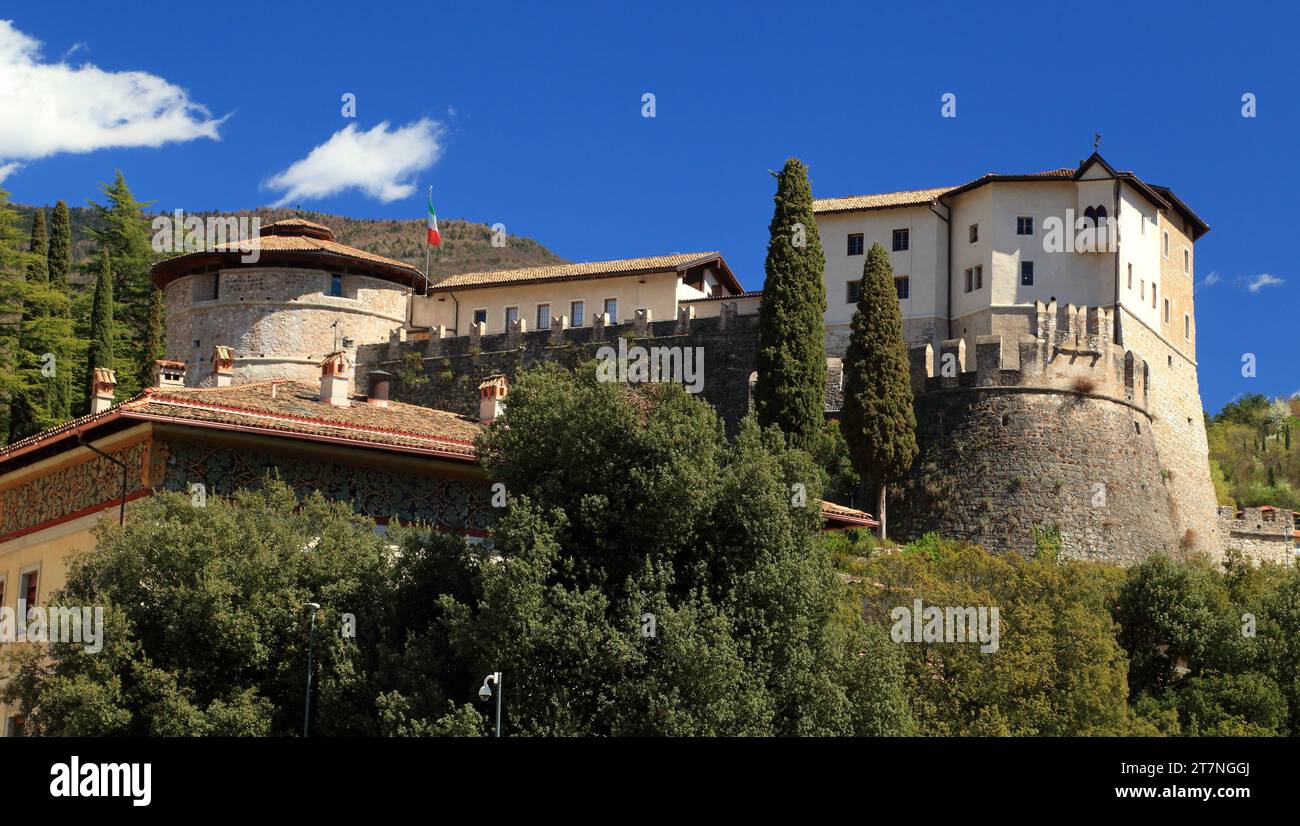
(1263, 280)
(1210, 280)
(7, 169)
(379, 163)
(48, 108)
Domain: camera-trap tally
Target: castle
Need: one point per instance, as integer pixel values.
(1104, 406)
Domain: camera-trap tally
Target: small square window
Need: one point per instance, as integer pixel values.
(543, 316)
(1024, 225)
(903, 286)
(852, 292)
(28, 588)
(512, 315)
(575, 314)
(336, 286)
(1187, 261)
(901, 240)
(611, 310)
(855, 243)
(1026, 273)
(480, 316)
(1187, 326)
(1165, 251)
(974, 233)
(1166, 311)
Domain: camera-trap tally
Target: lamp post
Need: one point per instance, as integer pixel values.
(485, 694)
(311, 638)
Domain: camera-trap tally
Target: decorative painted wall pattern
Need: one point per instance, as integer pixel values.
(447, 504)
(72, 489)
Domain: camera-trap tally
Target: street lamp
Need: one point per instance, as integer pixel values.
(311, 638)
(485, 694)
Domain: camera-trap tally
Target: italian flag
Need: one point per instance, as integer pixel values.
(435, 237)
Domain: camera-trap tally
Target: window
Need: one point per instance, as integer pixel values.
(901, 240)
(543, 316)
(1187, 326)
(336, 286)
(1026, 273)
(1142, 289)
(1130, 276)
(1024, 225)
(1165, 251)
(852, 292)
(903, 286)
(512, 315)
(974, 279)
(480, 316)
(611, 310)
(1187, 262)
(1166, 311)
(855, 243)
(575, 313)
(970, 279)
(979, 277)
(1153, 296)
(974, 233)
(27, 587)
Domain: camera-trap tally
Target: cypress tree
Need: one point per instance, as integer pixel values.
(101, 324)
(60, 253)
(60, 264)
(154, 343)
(13, 260)
(877, 417)
(791, 389)
(38, 264)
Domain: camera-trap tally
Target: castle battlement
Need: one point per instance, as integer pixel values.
(1072, 349)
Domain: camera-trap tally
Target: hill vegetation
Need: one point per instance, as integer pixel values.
(1255, 452)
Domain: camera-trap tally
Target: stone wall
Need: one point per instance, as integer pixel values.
(1259, 535)
(1055, 440)
(444, 373)
(1179, 429)
(279, 320)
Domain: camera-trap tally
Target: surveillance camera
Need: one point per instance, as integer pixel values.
(485, 693)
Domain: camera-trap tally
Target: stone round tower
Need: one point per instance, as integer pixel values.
(298, 296)
(1052, 436)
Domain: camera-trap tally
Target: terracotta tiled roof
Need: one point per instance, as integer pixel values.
(292, 235)
(844, 516)
(296, 226)
(292, 408)
(568, 272)
(882, 200)
(921, 197)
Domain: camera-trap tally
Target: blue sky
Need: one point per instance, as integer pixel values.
(536, 118)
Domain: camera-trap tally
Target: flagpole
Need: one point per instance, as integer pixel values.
(426, 250)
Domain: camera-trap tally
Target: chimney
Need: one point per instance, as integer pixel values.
(223, 365)
(335, 373)
(378, 395)
(491, 398)
(168, 374)
(101, 389)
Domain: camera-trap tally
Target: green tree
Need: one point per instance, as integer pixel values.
(154, 337)
(877, 417)
(204, 627)
(60, 264)
(14, 259)
(791, 389)
(748, 636)
(122, 228)
(60, 255)
(100, 353)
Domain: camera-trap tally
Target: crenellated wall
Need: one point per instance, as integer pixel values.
(1052, 433)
